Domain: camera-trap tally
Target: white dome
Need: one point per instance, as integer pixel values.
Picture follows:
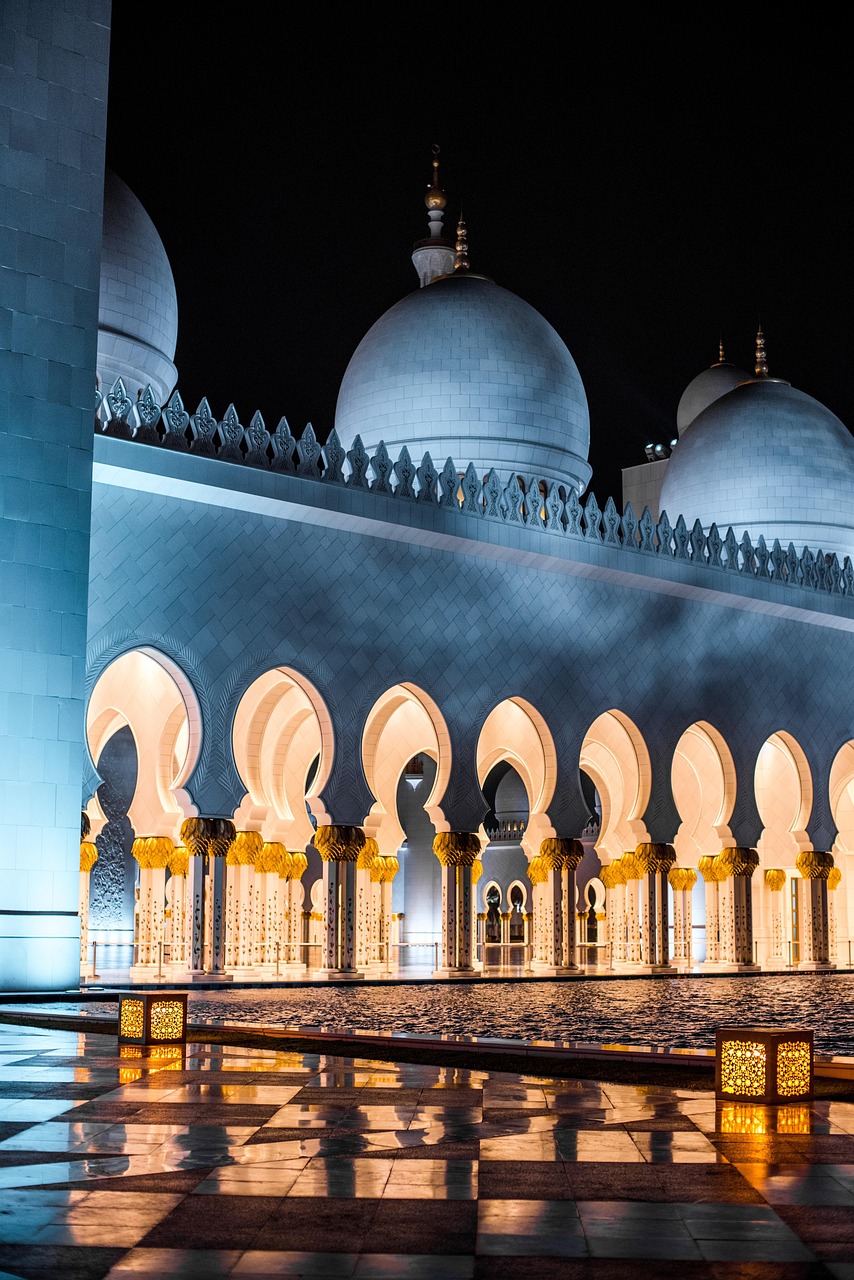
(138, 311)
(767, 459)
(467, 370)
(705, 389)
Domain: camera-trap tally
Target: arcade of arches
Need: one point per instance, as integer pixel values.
(278, 887)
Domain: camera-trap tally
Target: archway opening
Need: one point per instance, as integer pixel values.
(783, 786)
(702, 777)
(615, 757)
(406, 755)
(516, 738)
(283, 748)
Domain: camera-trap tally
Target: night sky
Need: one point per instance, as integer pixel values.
(646, 187)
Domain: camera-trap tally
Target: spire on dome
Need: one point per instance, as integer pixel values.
(721, 356)
(434, 256)
(761, 367)
(461, 262)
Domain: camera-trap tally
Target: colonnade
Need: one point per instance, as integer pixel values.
(236, 907)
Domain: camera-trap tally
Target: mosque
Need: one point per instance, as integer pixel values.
(414, 691)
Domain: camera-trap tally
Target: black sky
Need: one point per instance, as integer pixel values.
(645, 186)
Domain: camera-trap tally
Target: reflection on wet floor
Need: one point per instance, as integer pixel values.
(227, 1161)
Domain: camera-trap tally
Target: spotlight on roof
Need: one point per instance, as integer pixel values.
(657, 452)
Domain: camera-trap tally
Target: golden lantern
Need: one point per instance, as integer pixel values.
(153, 1017)
(763, 1064)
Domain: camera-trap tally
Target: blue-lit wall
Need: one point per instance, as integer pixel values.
(231, 570)
(53, 87)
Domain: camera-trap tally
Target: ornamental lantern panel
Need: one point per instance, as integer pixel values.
(153, 1017)
(763, 1064)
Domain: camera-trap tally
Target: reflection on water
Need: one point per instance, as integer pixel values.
(753, 1118)
(682, 1012)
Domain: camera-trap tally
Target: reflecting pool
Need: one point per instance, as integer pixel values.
(673, 1011)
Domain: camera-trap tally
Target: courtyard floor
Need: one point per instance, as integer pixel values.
(237, 1162)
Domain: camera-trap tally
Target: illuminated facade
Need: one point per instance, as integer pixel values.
(413, 686)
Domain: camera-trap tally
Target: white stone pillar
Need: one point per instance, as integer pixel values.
(815, 866)
(710, 878)
(833, 880)
(339, 847)
(734, 868)
(775, 881)
(365, 951)
(682, 881)
(210, 839)
(179, 923)
(655, 861)
(152, 853)
(457, 852)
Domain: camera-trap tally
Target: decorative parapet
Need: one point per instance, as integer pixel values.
(531, 502)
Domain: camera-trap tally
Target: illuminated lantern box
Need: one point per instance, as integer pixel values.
(763, 1064)
(153, 1017)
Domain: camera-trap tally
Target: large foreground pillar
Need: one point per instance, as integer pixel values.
(457, 852)
(815, 866)
(208, 841)
(339, 847)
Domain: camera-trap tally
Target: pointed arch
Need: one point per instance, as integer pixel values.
(615, 756)
(784, 793)
(404, 722)
(145, 691)
(703, 780)
(281, 727)
(515, 732)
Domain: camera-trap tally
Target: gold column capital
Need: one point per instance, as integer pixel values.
(736, 861)
(560, 853)
(612, 874)
(814, 864)
(655, 857)
(456, 848)
(339, 843)
(536, 871)
(152, 852)
(682, 878)
(775, 878)
(208, 837)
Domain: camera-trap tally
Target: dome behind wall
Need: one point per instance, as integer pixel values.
(771, 460)
(466, 369)
(703, 390)
(138, 309)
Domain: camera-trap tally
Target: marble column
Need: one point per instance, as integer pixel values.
(365, 950)
(152, 853)
(179, 864)
(655, 861)
(88, 858)
(270, 862)
(734, 868)
(711, 877)
(208, 840)
(339, 847)
(457, 852)
(295, 921)
(682, 881)
(560, 857)
(613, 878)
(815, 867)
(833, 881)
(775, 881)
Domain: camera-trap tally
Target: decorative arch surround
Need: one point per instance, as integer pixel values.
(146, 691)
(487, 888)
(281, 727)
(403, 722)
(515, 732)
(615, 756)
(703, 780)
(784, 793)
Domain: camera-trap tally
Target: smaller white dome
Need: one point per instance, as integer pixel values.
(705, 389)
(768, 459)
(138, 309)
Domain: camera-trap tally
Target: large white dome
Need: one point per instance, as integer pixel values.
(767, 459)
(467, 370)
(138, 311)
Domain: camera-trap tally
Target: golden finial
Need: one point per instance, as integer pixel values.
(721, 356)
(462, 258)
(435, 197)
(761, 366)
